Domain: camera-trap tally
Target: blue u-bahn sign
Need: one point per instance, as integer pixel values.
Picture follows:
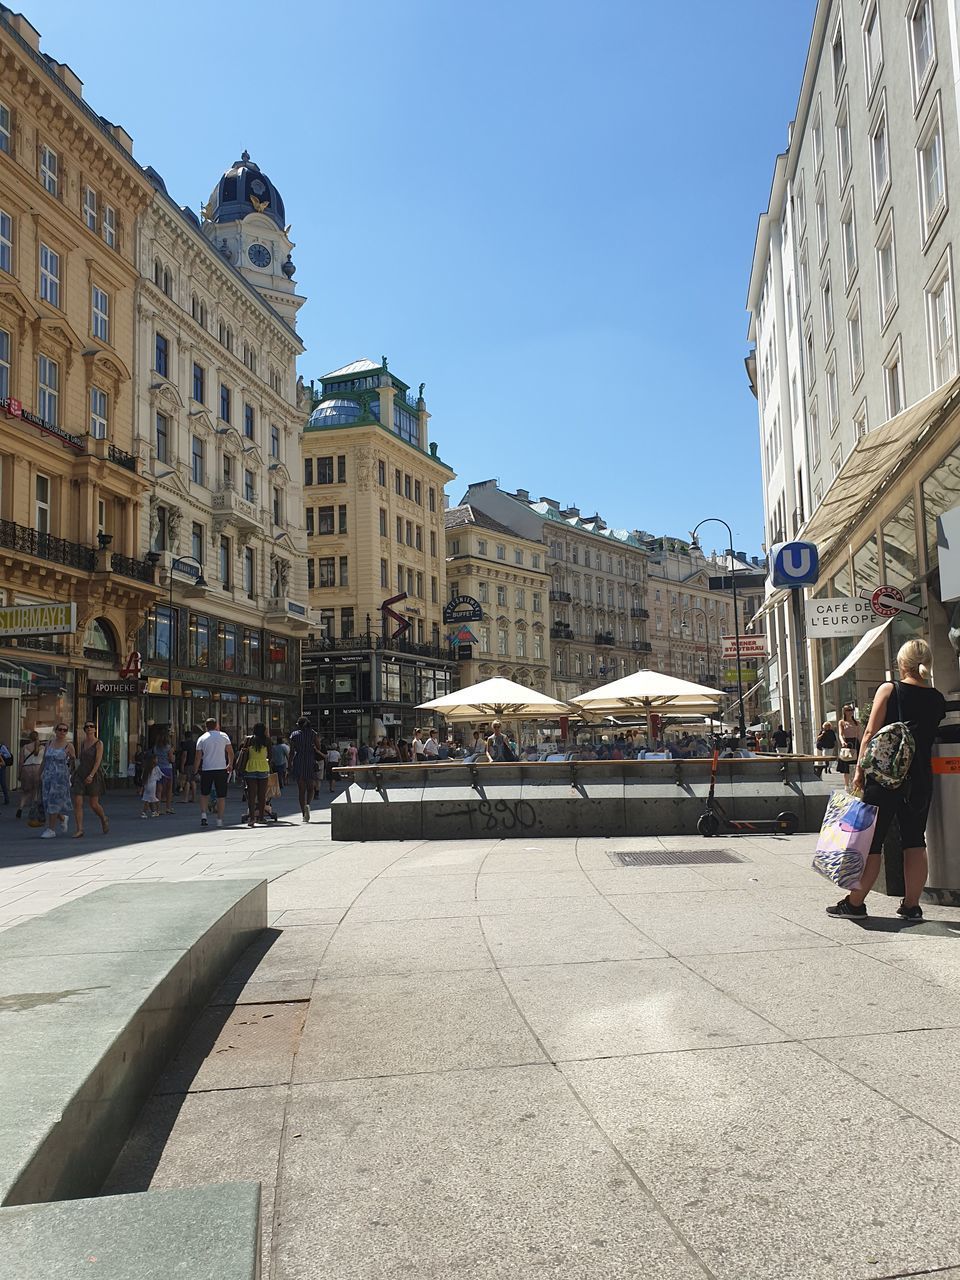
(794, 564)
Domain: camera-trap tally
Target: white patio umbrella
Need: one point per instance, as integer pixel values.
(648, 692)
(498, 698)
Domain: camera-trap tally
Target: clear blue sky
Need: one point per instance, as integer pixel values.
(545, 210)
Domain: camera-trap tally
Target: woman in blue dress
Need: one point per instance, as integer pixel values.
(58, 761)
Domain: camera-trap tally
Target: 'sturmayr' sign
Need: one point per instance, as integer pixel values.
(38, 619)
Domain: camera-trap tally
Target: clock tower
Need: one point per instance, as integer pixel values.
(244, 220)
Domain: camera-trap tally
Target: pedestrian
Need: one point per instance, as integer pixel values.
(848, 731)
(152, 785)
(213, 761)
(498, 748)
(186, 755)
(780, 740)
(88, 780)
(254, 765)
(363, 753)
(912, 701)
(6, 760)
(333, 760)
(827, 743)
(31, 757)
(304, 745)
(163, 750)
(416, 747)
(431, 748)
(58, 761)
(279, 760)
(350, 756)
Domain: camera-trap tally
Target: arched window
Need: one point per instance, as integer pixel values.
(167, 282)
(98, 639)
(157, 273)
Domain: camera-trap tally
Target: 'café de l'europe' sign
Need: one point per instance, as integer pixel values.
(839, 616)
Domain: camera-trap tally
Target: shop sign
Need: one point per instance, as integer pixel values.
(116, 688)
(887, 602)
(45, 619)
(14, 409)
(750, 647)
(730, 676)
(838, 616)
(462, 609)
(132, 666)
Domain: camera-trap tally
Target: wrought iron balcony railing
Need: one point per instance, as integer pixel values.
(45, 546)
(132, 568)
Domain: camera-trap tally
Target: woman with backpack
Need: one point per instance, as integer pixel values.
(895, 774)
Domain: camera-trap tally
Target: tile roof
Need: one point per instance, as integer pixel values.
(458, 517)
(358, 366)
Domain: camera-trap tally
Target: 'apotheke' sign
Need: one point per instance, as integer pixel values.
(838, 616)
(14, 409)
(38, 619)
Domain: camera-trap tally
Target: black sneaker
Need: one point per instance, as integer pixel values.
(910, 913)
(846, 908)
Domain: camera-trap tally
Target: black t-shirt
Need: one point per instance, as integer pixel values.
(921, 708)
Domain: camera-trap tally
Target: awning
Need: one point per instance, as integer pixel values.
(772, 602)
(874, 462)
(868, 639)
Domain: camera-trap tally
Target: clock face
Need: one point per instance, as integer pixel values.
(259, 255)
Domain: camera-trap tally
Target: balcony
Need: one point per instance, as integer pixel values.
(642, 614)
(121, 459)
(561, 632)
(44, 546)
(641, 646)
(560, 597)
(280, 609)
(131, 568)
(228, 505)
(604, 638)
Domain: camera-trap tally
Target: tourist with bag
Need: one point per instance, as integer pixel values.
(848, 731)
(827, 743)
(894, 773)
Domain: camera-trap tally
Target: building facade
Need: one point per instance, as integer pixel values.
(598, 586)
(507, 575)
(852, 304)
(218, 428)
(72, 488)
(373, 487)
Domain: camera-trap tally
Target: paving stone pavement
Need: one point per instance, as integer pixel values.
(512, 1059)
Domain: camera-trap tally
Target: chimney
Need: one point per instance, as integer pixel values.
(120, 134)
(551, 502)
(24, 30)
(523, 495)
(68, 76)
(567, 512)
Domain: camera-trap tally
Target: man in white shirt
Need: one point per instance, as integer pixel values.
(431, 747)
(214, 760)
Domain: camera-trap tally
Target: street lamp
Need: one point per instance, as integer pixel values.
(706, 628)
(695, 545)
(182, 564)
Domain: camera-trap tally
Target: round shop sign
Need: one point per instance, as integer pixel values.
(886, 601)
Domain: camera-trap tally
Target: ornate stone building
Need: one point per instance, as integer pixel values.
(218, 422)
(72, 487)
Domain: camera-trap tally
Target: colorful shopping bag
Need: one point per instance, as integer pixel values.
(845, 839)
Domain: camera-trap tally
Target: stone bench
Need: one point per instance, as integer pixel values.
(95, 997)
(211, 1233)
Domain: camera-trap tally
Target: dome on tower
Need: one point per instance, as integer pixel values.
(243, 189)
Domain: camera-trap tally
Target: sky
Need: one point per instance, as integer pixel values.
(544, 210)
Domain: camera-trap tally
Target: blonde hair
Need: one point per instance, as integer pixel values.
(914, 659)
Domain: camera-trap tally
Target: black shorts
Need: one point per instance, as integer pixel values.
(909, 805)
(216, 779)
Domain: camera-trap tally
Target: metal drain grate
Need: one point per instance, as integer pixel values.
(674, 858)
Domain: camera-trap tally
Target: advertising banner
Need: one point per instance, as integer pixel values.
(754, 647)
(44, 619)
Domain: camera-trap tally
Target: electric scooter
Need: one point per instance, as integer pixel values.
(715, 819)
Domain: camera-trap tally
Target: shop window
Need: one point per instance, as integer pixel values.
(199, 635)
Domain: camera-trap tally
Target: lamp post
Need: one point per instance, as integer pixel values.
(706, 629)
(183, 564)
(695, 545)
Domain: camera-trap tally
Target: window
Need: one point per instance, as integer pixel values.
(274, 441)
(342, 520)
(434, 590)
(324, 520)
(325, 471)
(433, 542)
(311, 574)
(48, 386)
(382, 472)
(277, 507)
(880, 156)
(538, 645)
(815, 432)
(501, 552)
(872, 47)
(521, 598)
(886, 272)
(536, 559)
(50, 170)
(98, 413)
(161, 632)
(794, 399)
(893, 381)
(843, 145)
(943, 354)
(248, 572)
(397, 481)
(196, 459)
(855, 342)
(407, 486)
(342, 468)
(4, 364)
(309, 521)
(932, 178)
(804, 279)
(227, 471)
(6, 242)
(161, 355)
(90, 208)
(224, 403)
(418, 493)
(199, 381)
(483, 592)
(517, 556)
(823, 231)
(409, 533)
(199, 633)
(41, 510)
(49, 275)
(537, 602)
(196, 541)
(848, 239)
(162, 438)
(383, 523)
(249, 487)
(826, 303)
(432, 498)
(817, 137)
(502, 597)
(100, 321)
(860, 422)
(384, 575)
(343, 561)
(836, 462)
(482, 547)
(326, 572)
(108, 225)
(923, 51)
(307, 471)
(225, 562)
(4, 128)
(248, 421)
(833, 396)
(837, 54)
(502, 640)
